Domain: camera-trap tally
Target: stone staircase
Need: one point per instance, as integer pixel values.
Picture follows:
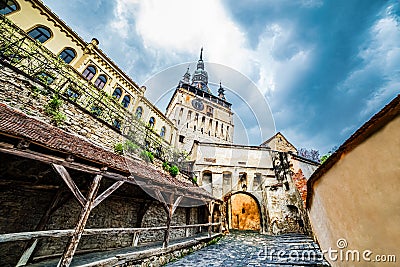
(253, 249)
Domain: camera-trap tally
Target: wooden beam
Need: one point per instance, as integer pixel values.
(176, 204)
(12, 237)
(69, 251)
(144, 206)
(27, 185)
(135, 240)
(107, 192)
(187, 220)
(210, 207)
(70, 183)
(49, 159)
(171, 207)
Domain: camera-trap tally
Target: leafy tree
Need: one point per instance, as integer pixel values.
(310, 154)
(327, 155)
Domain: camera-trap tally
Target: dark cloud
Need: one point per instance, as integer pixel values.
(349, 53)
(330, 95)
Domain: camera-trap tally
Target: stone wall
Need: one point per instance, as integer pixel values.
(22, 93)
(27, 191)
(21, 211)
(156, 216)
(114, 212)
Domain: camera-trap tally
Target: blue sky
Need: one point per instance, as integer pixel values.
(325, 67)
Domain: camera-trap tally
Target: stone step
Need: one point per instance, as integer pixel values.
(253, 249)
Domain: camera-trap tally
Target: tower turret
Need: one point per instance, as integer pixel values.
(221, 92)
(200, 76)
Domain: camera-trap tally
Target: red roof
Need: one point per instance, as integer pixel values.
(17, 124)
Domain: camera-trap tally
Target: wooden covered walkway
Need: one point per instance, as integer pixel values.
(39, 157)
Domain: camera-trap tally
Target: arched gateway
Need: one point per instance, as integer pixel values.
(243, 211)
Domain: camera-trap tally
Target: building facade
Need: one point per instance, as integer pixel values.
(89, 61)
(197, 113)
(197, 120)
(353, 200)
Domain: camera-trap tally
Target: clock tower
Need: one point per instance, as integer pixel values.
(197, 113)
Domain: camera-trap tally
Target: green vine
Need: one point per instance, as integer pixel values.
(52, 108)
(147, 156)
(174, 170)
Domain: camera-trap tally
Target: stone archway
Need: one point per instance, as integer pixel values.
(243, 212)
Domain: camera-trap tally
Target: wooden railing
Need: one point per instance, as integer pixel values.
(11, 237)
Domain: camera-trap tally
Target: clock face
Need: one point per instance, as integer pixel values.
(197, 104)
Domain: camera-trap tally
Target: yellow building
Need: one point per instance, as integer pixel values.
(353, 198)
(41, 24)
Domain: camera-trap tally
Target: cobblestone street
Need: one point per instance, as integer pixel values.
(253, 249)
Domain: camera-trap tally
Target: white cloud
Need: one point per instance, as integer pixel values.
(124, 10)
(181, 26)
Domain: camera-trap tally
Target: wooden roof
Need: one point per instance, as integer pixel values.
(18, 125)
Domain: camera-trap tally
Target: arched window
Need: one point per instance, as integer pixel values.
(6, 7)
(67, 55)
(243, 181)
(139, 112)
(152, 121)
(162, 132)
(40, 34)
(117, 93)
(226, 182)
(89, 72)
(207, 177)
(100, 81)
(125, 102)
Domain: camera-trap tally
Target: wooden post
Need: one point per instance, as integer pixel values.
(170, 207)
(135, 240)
(221, 220)
(187, 221)
(69, 251)
(168, 230)
(210, 213)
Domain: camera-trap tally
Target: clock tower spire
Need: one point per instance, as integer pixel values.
(197, 114)
(200, 75)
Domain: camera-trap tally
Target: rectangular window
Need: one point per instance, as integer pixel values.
(71, 94)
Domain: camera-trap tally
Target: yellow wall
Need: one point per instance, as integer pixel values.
(358, 199)
(33, 13)
(29, 16)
